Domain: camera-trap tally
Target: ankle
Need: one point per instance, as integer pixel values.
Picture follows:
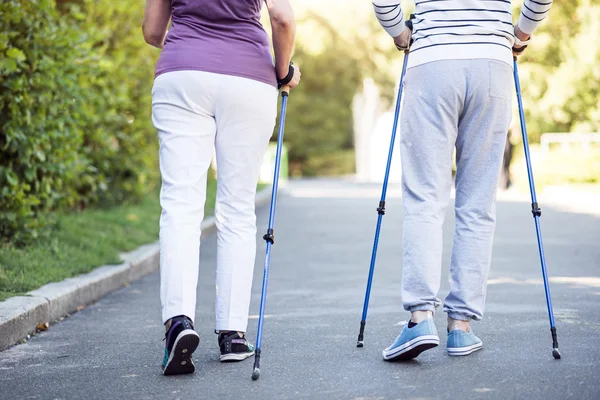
(222, 333)
(457, 324)
(169, 322)
(420, 316)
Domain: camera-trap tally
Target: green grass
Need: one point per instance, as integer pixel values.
(81, 242)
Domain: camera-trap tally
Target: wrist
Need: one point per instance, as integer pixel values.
(282, 72)
(520, 35)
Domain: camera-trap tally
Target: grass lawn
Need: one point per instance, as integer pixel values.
(81, 242)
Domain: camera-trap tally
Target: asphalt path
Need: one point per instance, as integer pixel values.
(324, 235)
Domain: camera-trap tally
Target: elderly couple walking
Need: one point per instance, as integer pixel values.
(216, 89)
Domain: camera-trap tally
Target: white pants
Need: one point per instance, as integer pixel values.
(195, 114)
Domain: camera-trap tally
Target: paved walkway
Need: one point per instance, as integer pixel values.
(324, 231)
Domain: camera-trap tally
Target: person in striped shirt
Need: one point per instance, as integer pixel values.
(457, 95)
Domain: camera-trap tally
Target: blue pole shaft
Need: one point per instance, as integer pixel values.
(382, 200)
(271, 219)
(538, 229)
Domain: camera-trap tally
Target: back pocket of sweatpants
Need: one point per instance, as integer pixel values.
(500, 80)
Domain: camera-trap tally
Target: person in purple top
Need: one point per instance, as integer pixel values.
(215, 92)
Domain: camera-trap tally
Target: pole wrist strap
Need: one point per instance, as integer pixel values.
(288, 78)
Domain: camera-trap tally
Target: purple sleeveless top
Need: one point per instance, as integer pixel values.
(220, 36)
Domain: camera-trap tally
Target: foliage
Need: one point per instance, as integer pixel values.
(75, 130)
(560, 71)
(119, 137)
(319, 119)
(335, 163)
(41, 167)
(334, 62)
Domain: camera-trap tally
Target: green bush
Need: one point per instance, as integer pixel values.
(319, 119)
(75, 129)
(41, 166)
(559, 71)
(119, 137)
(335, 163)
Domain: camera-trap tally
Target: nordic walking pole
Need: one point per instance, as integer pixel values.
(537, 213)
(269, 236)
(381, 208)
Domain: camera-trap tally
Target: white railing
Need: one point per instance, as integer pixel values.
(566, 140)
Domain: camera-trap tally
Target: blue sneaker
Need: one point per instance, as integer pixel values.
(461, 343)
(413, 341)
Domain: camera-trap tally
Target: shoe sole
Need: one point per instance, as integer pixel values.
(180, 360)
(464, 351)
(412, 348)
(235, 356)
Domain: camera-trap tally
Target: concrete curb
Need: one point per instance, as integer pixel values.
(20, 315)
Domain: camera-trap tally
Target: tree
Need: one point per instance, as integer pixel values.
(560, 71)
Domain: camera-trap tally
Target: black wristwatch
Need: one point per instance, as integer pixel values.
(288, 78)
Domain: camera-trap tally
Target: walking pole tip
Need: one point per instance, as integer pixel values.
(361, 335)
(255, 374)
(556, 353)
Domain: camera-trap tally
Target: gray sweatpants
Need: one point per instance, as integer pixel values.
(452, 103)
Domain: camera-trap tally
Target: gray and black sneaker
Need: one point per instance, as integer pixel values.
(235, 347)
(181, 340)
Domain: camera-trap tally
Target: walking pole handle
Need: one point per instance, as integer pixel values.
(285, 91)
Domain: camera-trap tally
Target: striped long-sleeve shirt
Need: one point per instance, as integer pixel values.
(461, 29)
